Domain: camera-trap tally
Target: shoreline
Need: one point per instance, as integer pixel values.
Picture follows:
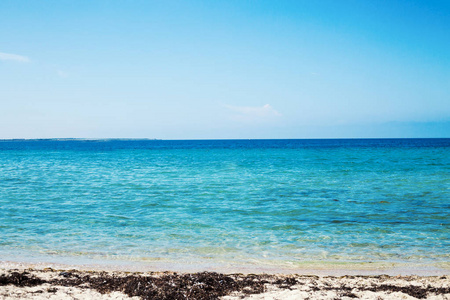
(305, 268)
(26, 281)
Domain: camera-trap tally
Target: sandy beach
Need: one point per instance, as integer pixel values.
(22, 281)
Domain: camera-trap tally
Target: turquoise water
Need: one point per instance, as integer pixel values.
(277, 202)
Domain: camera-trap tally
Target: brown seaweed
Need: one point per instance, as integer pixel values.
(201, 286)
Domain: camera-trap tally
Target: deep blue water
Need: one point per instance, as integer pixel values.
(278, 202)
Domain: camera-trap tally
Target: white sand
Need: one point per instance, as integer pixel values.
(307, 287)
(46, 291)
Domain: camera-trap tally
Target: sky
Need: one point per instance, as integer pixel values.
(224, 69)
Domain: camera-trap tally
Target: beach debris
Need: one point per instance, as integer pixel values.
(212, 285)
(20, 279)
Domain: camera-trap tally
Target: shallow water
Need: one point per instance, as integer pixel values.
(273, 202)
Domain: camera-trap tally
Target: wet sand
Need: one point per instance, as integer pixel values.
(50, 283)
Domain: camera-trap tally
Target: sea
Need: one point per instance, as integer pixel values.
(212, 204)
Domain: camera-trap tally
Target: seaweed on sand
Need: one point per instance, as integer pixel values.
(201, 286)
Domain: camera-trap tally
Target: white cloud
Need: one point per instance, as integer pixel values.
(14, 57)
(247, 113)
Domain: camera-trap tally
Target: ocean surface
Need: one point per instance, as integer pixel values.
(281, 203)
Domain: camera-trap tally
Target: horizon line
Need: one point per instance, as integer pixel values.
(216, 139)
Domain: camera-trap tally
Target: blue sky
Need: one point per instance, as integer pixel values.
(224, 69)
